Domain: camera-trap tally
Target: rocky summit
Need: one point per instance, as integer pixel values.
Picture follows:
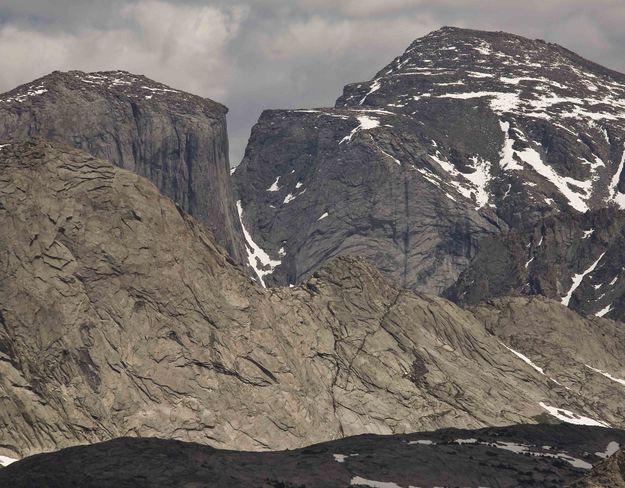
(120, 316)
(177, 140)
(510, 457)
(466, 137)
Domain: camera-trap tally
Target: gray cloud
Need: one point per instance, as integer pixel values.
(257, 54)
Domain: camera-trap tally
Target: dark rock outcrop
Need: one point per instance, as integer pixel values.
(575, 259)
(119, 316)
(177, 140)
(529, 456)
(464, 137)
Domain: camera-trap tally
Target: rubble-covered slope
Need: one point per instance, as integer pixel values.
(531, 456)
(119, 316)
(608, 474)
(466, 135)
(177, 140)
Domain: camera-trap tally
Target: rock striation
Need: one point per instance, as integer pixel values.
(120, 316)
(466, 136)
(177, 140)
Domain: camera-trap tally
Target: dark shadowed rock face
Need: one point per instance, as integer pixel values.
(120, 316)
(464, 136)
(177, 140)
(509, 457)
(576, 259)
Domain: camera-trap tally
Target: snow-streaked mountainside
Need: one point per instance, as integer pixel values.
(466, 136)
(538, 91)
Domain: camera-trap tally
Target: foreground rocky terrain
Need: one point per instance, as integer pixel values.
(529, 456)
(607, 474)
(464, 139)
(120, 316)
(177, 140)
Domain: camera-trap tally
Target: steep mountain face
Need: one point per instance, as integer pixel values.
(608, 474)
(177, 140)
(542, 259)
(464, 137)
(488, 457)
(120, 316)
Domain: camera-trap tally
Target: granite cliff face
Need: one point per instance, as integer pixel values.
(466, 136)
(534, 456)
(120, 316)
(177, 140)
(575, 259)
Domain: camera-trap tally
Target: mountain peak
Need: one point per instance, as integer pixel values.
(119, 82)
(518, 75)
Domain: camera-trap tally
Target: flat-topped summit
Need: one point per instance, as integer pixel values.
(119, 82)
(177, 140)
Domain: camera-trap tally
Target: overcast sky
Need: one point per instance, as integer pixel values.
(257, 54)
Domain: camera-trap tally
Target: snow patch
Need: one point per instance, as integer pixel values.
(477, 181)
(533, 158)
(325, 214)
(257, 258)
(577, 280)
(615, 195)
(466, 441)
(525, 449)
(524, 358)
(507, 152)
(374, 88)
(30, 92)
(5, 461)
(607, 375)
(610, 450)
(364, 123)
(340, 458)
(357, 480)
(572, 418)
(604, 311)
(397, 161)
(274, 186)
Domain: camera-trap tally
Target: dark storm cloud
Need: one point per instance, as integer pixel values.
(259, 54)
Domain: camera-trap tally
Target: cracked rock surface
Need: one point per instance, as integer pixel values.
(120, 316)
(177, 140)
